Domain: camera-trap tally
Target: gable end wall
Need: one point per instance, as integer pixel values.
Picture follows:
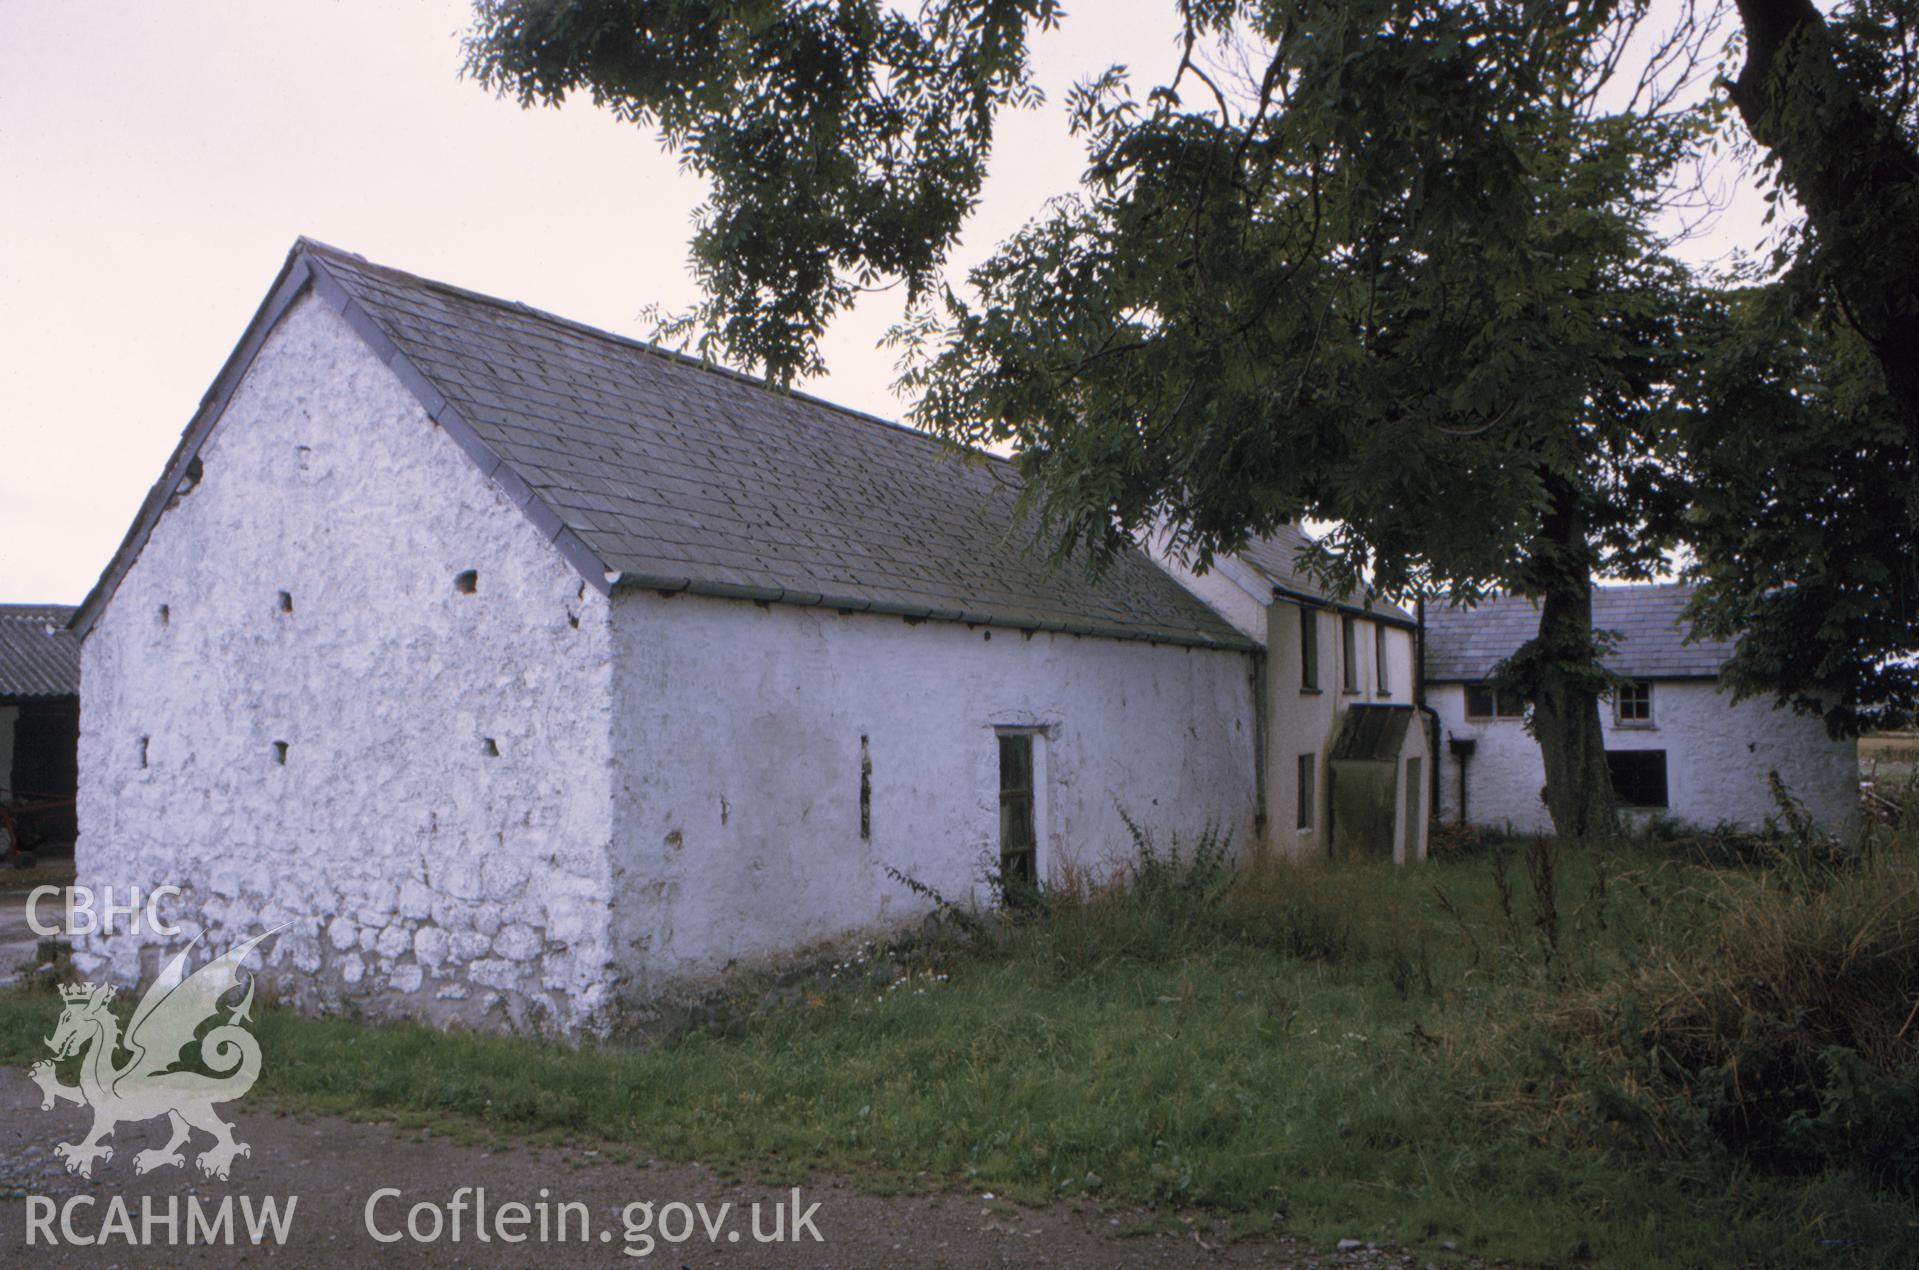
(413, 872)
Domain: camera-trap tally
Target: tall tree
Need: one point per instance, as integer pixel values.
(1384, 262)
(1835, 108)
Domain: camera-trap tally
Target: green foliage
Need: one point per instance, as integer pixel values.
(1388, 263)
(1778, 1035)
(1328, 1049)
(1805, 548)
(844, 143)
(1400, 277)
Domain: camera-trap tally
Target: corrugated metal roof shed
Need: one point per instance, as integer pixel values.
(38, 658)
(1466, 644)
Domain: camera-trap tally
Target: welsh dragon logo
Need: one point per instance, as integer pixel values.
(148, 1085)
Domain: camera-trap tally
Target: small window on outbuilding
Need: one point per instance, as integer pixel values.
(1349, 652)
(467, 581)
(1308, 783)
(1632, 703)
(1382, 681)
(1018, 841)
(1308, 649)
(1638, 777)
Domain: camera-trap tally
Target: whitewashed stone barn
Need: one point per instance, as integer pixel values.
(517, 668)
(1677, 745)
(1345, 767)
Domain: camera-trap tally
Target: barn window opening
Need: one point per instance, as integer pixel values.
(467, 582)
(1308, 650)
(166, 615)
(1018, 843)
(280, 753)
(1632, 703)
(1380, 677)
(1308, 764)
(1483, 701)
(1638, 777)
(142, 749)
(1349, 653)
(488, 747)
(286, 601)
(866, 791)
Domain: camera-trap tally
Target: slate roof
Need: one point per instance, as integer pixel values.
(37, 656)
(1276, 556)
(649, 469)
(1465, 644)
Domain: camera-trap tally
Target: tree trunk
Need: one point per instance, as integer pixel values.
(1561, 673)
(1855, 174)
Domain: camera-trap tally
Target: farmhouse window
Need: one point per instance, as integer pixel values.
(1308, 650)
(1632, 702)
(1638, 777)
(1349, 652)
(1380, 678)
(1307, 783)
(1018, 844)
(1483, 701)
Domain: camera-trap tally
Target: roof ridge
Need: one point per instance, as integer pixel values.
(627, 341)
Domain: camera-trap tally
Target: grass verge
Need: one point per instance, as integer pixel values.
(1485, 1050)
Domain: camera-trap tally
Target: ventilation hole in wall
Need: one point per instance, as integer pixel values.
(286, 601)
(986, 635)
(582, 592)
(573, 620)
(142, 750)
(280, 753)
(166, 615)
(468, 582)
(488, 747)
(302, 454)
(191, 477)
(866, 791)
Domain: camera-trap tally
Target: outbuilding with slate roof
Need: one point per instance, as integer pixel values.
(519, 670)
(1677, 744)
(39, 726)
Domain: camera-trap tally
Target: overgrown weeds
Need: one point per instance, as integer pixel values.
(1643, 1053)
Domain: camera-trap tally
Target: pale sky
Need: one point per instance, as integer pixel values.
(157, 160)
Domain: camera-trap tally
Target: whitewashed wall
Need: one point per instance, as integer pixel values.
(737, 734)
(1717, 757)
(414, 871)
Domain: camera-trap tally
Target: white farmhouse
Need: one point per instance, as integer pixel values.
(515, 668)
(1677, 745)
(1346, 767)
